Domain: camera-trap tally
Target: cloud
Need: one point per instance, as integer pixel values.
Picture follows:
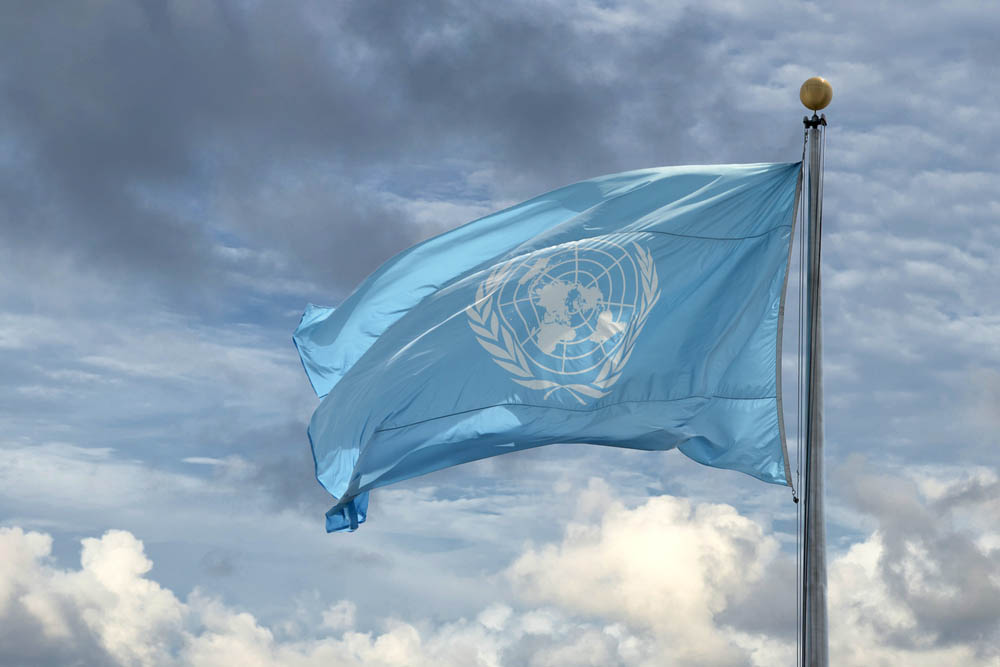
(109, 613)
(933, 572)
(141, 134)
(241, 160)
(178, 178)
(105, 613)
(665, 566)
(664, 580)
(222, 389)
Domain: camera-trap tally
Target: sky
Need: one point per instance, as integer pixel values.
(179, 179)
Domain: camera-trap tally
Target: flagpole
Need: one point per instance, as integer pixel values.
(815, 94)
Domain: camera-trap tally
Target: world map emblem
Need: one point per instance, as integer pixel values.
(566, 318)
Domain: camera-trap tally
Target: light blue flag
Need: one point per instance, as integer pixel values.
(637, 310)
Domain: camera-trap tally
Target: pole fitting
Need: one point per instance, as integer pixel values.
(815, 121)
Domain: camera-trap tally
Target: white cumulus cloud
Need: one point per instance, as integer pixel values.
(666, 582)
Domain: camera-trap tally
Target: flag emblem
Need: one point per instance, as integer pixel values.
(565, 319)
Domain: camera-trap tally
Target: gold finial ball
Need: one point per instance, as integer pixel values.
(816, 93)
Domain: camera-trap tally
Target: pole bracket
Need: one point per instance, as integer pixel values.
(815, 121)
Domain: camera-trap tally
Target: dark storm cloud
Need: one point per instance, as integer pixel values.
(24, 640)
(768, 606)
(136, 134)
(283, 472)
(930, 560)
(141, 131)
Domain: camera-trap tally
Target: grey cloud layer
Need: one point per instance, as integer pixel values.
(139, 130)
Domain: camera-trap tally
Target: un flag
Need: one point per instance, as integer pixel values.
(637, 310)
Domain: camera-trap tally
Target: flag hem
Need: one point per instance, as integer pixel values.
(781, 323)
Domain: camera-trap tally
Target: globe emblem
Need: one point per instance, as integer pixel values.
(566, 317)
(568, 310)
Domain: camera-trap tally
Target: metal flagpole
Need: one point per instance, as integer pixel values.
(815, 94)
